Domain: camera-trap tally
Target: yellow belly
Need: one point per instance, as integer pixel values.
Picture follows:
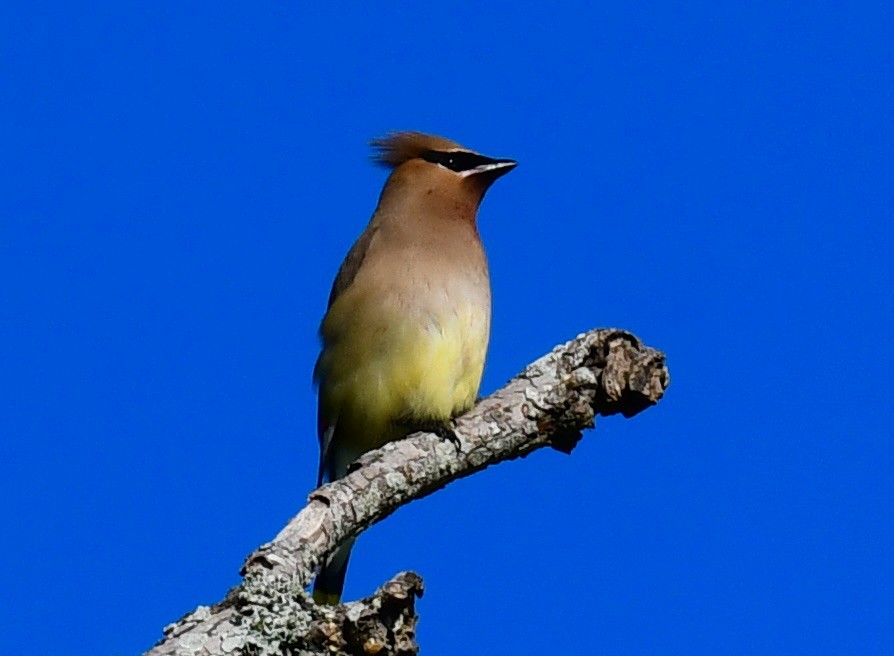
(376, 374)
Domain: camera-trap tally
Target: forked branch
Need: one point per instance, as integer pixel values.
(601, 372)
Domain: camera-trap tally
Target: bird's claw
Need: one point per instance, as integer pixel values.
(447, 431)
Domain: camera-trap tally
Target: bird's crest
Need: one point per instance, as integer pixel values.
(396, 148)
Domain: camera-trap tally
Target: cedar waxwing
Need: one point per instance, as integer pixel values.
(405, 335)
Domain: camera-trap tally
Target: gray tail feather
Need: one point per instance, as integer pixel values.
(330, 582)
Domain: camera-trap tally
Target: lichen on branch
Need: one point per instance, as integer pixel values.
(549, 404)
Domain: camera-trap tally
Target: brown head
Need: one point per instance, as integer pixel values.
(445, 173)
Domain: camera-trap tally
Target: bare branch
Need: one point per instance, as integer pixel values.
(602, 372)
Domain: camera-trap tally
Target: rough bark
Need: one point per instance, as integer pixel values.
(602, 372)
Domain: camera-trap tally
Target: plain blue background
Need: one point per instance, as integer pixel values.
(181, 180)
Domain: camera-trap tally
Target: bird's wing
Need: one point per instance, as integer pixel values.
(346, 274)
(353, 261)
(325, 432)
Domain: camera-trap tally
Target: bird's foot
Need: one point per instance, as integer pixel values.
(446, 431)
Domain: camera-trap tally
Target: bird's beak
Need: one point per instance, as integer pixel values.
(492, 170)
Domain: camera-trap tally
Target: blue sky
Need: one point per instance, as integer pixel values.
(181, 181)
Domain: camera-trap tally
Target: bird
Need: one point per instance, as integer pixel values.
(406, 330)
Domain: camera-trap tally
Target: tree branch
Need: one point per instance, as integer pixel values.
(602, 372)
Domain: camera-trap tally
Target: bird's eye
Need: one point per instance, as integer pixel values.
(456, 160)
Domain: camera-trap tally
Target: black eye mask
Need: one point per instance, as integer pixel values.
(458, 160)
